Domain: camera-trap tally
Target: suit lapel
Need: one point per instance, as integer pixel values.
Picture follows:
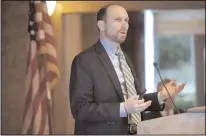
(107, 64)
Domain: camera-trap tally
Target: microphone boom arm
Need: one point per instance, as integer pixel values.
(155, 65)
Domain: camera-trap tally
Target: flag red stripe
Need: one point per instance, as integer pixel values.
(51, 59)
(39, 8)
(48, 39)
(33, 123)
(27, 101)
(41, 93)
(44, 114)
(34, 68)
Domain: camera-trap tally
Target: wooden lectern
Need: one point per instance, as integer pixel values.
(191, 122)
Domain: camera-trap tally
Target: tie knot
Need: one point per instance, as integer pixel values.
(119, 52)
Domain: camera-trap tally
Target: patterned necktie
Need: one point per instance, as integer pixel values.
(130, 87)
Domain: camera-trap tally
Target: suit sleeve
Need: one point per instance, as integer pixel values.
(155, 106)
(82, 97)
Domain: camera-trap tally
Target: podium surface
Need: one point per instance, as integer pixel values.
(191, 122)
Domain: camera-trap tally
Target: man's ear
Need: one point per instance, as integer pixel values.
(101, 25)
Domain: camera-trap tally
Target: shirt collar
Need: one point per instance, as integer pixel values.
(110, 49)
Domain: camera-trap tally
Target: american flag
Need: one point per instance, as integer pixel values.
(42, 71)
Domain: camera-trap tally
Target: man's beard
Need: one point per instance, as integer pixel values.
(115, 37)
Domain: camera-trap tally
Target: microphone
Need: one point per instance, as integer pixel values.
(155, 65)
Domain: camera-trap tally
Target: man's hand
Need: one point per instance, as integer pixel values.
(172, 89)
(134, 105)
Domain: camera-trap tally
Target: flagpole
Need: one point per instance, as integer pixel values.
(49, 100)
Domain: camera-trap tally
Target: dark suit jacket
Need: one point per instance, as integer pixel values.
(95, 93)
(156, 114)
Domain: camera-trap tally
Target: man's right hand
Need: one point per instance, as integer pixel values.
(134, 105)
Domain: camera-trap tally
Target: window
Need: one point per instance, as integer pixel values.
(174, 39)
(174, 55)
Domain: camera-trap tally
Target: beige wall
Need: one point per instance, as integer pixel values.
(90, 33)
(71, 45)
(75, 38)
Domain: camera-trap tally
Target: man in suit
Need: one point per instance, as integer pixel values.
(168, 108)
(104, 89)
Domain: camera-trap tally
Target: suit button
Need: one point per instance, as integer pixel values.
(110, 123)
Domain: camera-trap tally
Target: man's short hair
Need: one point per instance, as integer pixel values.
(103, 11)
(160, 84)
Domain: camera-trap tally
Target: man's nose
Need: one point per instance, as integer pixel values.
(124, 25)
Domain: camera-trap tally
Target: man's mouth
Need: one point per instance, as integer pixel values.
(123, 32)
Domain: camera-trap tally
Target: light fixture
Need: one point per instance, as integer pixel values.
(51, 5)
